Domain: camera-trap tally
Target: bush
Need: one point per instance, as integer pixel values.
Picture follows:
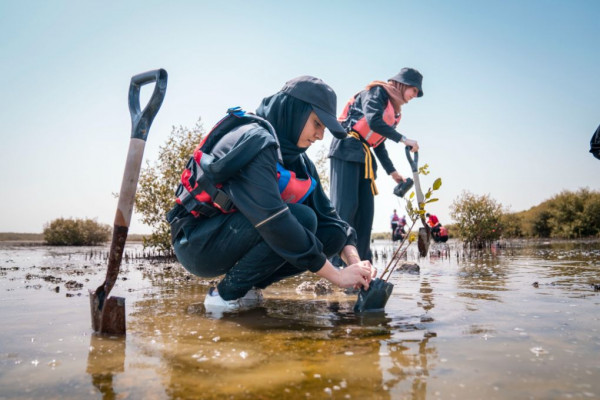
(478, 219)
(566, 215)
(158, 181)
(76, 232)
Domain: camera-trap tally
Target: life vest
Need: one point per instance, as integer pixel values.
(361, 126)
(202, 197)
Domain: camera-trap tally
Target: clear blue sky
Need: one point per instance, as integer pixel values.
(512, 89)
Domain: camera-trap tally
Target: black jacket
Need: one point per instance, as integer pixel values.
(255, 193)
(370, 104)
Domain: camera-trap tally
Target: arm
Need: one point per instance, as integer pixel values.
(356, 275)
(374, 103)
(255, 193)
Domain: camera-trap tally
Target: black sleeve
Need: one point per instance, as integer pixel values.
(255, 193)
(324, 209)
(384, 158)
(374, 102)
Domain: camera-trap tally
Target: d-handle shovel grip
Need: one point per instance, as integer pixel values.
(141, 120)
(414, 163)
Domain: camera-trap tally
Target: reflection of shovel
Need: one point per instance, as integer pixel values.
(425, 232)
(108, 314)
(106, 359)
(375, 298)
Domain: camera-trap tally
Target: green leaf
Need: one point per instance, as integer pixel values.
(412, 195)
(437, 183)
(431, 201)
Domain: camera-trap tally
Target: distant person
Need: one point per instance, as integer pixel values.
(438, 232)
(394, 221)
(433, 222)
(595, 144)
(250, 205)
(399, 232)
(369, 118)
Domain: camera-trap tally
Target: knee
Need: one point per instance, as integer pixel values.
(333, 240)
(305, 216)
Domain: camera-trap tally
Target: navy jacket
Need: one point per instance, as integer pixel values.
(255, 193)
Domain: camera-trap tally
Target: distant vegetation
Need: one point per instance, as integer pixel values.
(76, 232)
(480, 220)
(567, 215)
(24, 237)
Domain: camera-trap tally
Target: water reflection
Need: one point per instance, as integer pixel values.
(293, 346)
(106, 359)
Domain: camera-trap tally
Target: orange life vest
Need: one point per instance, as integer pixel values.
(361, 126)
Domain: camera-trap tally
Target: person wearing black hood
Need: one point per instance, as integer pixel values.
(283, 224)
(369, 118)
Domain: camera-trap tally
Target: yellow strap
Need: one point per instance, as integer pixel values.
(369, 173)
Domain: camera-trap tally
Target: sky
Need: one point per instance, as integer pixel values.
(511, 90)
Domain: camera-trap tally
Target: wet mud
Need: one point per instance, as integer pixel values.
(520, 321)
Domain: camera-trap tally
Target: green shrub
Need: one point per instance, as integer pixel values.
(158, 182)
(75, 232)
(478, 219)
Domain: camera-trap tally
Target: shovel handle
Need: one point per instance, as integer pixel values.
(141, 120)
(414, 163)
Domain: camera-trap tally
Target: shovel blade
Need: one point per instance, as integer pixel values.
(111, 318)
(375, 298)
(423, 242)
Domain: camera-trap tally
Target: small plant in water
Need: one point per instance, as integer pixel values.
(415, 210)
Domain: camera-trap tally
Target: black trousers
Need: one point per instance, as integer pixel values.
(353, 199)
(229, 244)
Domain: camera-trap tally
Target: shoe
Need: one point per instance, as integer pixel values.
(213, 303)
(253, 298)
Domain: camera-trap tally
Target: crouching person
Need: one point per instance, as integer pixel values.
(250, 204)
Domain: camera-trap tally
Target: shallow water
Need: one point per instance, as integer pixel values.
(463, 328)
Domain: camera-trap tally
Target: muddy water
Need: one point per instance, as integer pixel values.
(522, 322)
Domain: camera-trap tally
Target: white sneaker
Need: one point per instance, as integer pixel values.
(214, 303)
(251, 299)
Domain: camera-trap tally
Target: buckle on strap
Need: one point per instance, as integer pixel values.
(221, 199)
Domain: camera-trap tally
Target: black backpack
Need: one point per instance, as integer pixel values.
(595, 144)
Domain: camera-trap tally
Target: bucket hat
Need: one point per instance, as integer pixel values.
(410, 77)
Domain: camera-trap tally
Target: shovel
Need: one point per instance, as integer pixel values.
(108, 313)
(424, 237)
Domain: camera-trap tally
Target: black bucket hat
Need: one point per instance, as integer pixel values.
(321, 97)
(410, 77)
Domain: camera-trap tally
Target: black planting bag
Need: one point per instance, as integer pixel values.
(375, 298)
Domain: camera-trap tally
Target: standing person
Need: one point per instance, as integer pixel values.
(394, 220)
(250, 204)
(369, 118)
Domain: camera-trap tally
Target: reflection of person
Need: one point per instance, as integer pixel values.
(284, 223)
(369, 118)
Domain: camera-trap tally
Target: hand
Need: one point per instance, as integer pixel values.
(397, 177)
(413, 144)
(357, 275)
